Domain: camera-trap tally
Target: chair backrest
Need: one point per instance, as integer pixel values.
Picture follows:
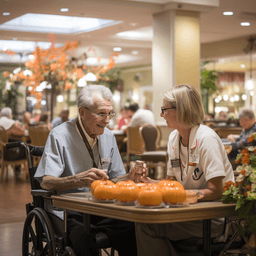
(38, 135)
(3, 135)
(135, 143)
(150, 135)
(223, 132)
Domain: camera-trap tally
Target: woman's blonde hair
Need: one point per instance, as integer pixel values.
(188, 103)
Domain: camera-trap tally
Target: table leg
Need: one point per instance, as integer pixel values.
(207, 237)
(86, 222)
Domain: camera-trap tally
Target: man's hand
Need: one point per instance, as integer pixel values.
(137, 172)
(88, 177)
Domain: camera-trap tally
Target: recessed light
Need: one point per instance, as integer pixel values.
(64, 9)
(242, 66)
(228, 13)
(135, 52)
(245, 24)
(117, 49)
(6, 13)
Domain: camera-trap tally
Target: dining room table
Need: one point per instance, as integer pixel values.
(83, 202)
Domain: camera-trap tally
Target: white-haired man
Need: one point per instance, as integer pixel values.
(80, 151)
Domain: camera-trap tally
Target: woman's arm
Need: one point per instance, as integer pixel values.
(214, 190)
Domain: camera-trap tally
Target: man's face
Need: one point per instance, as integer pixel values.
(94, 124)
(246, 122)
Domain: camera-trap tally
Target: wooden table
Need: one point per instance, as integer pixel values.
(201, 211)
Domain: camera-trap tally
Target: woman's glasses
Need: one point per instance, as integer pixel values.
(163, 109)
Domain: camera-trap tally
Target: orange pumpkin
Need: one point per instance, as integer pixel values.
(127, 191)
(150, 195)
(97, 182)
(173, 195)
(171, 183)
(105, 191)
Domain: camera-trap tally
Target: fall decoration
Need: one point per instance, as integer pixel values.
(173, 195)
(150, 195)
(127, 191)
(243, 190)
(105, 191)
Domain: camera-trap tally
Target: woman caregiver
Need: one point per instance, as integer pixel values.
(197, 159)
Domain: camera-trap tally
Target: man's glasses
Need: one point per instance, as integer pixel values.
(163, 109)
(104, 116)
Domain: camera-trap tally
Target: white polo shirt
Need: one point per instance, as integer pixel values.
(6, 122)
(206, 159)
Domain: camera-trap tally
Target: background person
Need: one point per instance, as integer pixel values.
(26, 120)
(63, 117)
(44, 121)
(36, 113)
(122, 120)
(247, 121)
(197, 159)
(79, 152)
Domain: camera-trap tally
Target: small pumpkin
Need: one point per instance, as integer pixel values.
(127, 191)
(171, 183)
(173, 195)
(150, 195)
(97, 182)
(105, 191)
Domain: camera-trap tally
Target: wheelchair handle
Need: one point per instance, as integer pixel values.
(15, 144)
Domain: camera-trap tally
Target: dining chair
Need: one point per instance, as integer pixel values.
(5, 160)
(38, 136)
(135, 146)
(153, 157)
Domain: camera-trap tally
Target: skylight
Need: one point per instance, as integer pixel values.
(58, 24)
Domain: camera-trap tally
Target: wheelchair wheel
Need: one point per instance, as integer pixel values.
(38, 235)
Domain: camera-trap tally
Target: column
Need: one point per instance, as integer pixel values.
(175, 53)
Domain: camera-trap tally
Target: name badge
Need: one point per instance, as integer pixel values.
(194, 159)
(175, 163)
(105, 163)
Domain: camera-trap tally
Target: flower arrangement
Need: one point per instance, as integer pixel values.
(54, 66)
(243, 190)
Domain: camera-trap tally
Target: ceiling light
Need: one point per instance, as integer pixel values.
(232, 99)
(225, 97)
(217, 100)
(64, 9)
(90, 77)
(245, 24)
(242, 66)
(251, 93)
(43, 102)
(117, 49)
(236, 97)
(249, 84)
(81, 82)
(228, 13)
(244, 97)
(58, 24)
(135, 52)
(60, 98)
(6, 13)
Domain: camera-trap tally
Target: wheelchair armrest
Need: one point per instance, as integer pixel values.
(42, 192)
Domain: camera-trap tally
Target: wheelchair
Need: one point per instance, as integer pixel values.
(45, 233)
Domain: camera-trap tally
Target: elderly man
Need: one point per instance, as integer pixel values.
(247, 121)
(79, 152)
(12, 127)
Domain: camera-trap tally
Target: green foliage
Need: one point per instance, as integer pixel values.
(110, 78)
(207, 80)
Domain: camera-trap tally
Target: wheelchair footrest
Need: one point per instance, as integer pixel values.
(102, 240)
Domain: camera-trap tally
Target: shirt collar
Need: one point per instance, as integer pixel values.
(92, 141)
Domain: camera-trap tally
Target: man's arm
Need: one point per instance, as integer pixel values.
(83, 179)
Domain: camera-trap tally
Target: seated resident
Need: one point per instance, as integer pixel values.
(79, 152)
(247, 121)
(197, 159)
(63, 117)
